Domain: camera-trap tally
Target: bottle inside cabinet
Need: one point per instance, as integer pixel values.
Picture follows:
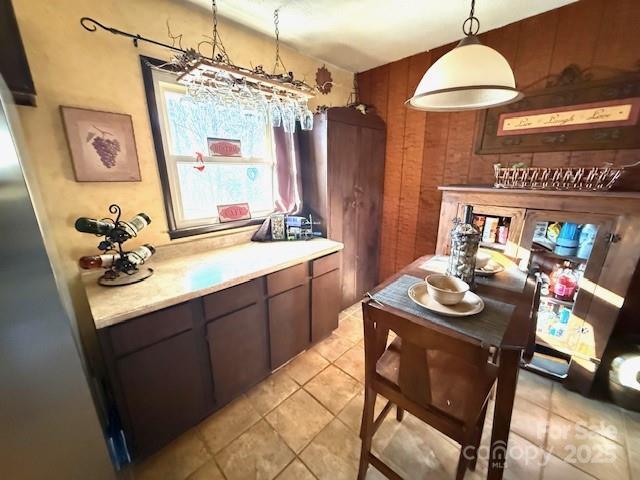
(494, 230)
(560, 253)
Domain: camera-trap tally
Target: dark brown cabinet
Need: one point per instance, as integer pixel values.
(342, 181)
(157, 376)
(289, 324)
(170, 368)
(239, 351)
(163, 391)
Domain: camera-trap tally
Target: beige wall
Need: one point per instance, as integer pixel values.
(71, 66)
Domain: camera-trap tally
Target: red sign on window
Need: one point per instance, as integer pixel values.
(221, 147)
(234, 211)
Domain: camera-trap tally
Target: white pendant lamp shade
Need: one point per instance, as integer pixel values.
(471, 76)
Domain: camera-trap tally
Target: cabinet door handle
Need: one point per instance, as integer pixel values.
(614, 237)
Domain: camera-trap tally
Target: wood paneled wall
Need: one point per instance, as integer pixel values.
(425, 150)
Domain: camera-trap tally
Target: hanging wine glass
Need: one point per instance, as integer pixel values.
(289, 116)
(250, 110)
(307, 120)
(304, 115)
(223, 79)
(263, 106)
(299, 109)
(244, 97)
(275, 111)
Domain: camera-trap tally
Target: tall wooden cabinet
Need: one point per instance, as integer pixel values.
(342, 184)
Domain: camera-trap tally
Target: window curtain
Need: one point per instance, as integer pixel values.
(288, 195)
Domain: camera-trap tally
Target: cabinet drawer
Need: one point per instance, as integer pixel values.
(231, 299)
(325, 264)
(151, 328)
(287, 279)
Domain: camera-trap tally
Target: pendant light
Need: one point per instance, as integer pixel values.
(472, 76)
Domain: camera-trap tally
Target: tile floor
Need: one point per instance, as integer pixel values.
(302, 423)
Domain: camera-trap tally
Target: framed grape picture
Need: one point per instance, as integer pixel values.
(102, 145)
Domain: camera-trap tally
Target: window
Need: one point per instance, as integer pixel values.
(196, 188)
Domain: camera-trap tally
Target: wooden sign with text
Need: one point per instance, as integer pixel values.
(581, 114)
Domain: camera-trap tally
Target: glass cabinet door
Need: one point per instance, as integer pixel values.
(568, 251)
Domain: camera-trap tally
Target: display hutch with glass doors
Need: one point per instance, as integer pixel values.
(586, 247)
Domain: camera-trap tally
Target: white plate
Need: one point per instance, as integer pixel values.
(486, 272)
(470, 304)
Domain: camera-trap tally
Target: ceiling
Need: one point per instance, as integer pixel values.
(361, 34)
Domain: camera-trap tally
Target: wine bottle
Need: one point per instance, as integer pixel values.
(468, 214)
(98, 261)
(91, 225)
(141, 254)
(138, 222)
(503, 231)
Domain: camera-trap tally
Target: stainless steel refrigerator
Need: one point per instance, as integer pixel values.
(49, 428)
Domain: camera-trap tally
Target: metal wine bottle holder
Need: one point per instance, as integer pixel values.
(122, 271)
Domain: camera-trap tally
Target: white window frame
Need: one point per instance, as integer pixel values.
(162, 82)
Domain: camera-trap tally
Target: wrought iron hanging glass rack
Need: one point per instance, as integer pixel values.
(206, 76)
(189, 63)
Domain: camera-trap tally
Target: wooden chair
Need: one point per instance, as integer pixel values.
(442, 380)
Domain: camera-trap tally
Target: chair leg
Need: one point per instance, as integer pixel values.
(469, 447)
(366, 431)
(478, 438)
(399, 413)
(463, 461)
(364, 410)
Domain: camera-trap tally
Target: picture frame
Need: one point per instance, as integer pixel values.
(278, 227)
(573, 112)
(102, 145)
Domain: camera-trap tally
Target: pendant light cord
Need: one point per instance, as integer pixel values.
(471, 26)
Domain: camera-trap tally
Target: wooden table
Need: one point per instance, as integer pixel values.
(509, 287)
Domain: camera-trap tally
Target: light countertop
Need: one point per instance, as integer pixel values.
(184, 277)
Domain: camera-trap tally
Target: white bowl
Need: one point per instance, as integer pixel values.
(446, 289)
(482, 258)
